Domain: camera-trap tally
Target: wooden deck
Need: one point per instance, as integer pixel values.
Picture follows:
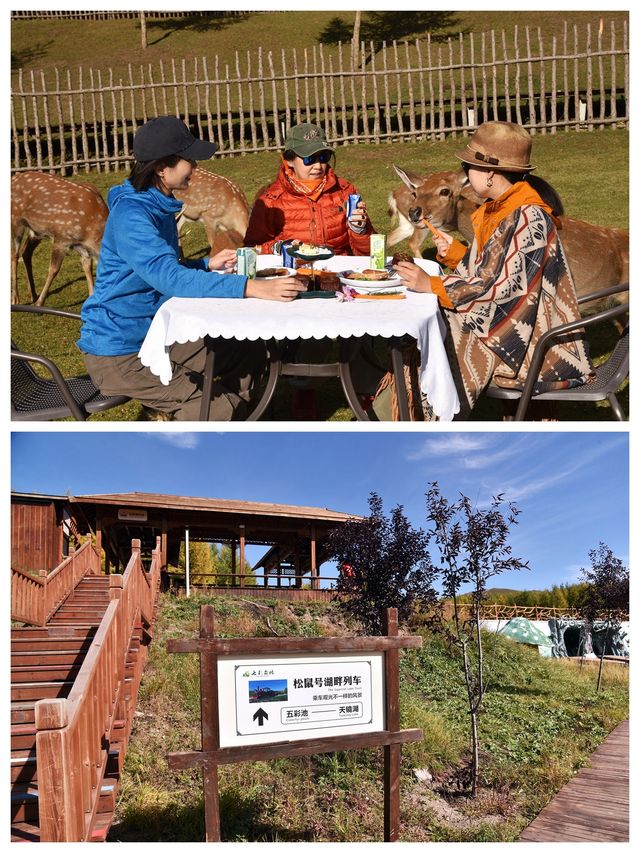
(594, 805)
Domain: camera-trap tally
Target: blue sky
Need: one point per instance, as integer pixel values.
(572, 487)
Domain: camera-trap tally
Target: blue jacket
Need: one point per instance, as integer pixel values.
(139, 269)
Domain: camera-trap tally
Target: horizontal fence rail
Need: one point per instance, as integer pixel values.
(86, 118)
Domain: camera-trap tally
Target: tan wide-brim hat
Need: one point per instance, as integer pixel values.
(499, 145)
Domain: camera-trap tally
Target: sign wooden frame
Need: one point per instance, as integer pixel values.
(212, 755)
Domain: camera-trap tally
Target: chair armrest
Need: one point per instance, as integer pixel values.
(602, 294)
(58, 378)
(37, 309)
(550, 335)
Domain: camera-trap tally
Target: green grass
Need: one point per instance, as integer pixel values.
(543, 718)
(590, 170)
(44, 45)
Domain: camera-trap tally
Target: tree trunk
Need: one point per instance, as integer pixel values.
(143, 29)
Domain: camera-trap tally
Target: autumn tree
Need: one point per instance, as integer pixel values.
(605, 596)
(472, 545)
(383, 563)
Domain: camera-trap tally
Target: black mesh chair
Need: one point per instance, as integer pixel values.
(609, 375)
(45, 398)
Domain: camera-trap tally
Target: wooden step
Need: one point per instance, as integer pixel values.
(57, 633)
(25, 831)
(100, 828)
(57, 657)
(24, 767)
(24, 802)
(40, 690)
(34, 674)
(23, 712)
(23, 736)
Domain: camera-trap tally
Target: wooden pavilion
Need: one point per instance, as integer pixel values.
(294, 536)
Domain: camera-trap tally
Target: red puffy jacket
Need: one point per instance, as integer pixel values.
(281, 213)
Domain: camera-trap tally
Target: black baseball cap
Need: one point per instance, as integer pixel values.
(166, 135)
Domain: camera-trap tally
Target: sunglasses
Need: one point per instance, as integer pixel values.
(319, 157)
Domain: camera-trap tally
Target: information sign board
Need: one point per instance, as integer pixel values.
(296, 697)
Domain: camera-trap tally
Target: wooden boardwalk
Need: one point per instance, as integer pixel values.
(594, 805)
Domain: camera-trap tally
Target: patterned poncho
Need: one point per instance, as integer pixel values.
(503, 296)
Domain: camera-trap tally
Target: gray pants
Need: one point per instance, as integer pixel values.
(237, 364)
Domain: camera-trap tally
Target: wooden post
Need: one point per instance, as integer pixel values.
(61, 817)
(314, 566)
(392, 751)
(242, 544)
(210, 726)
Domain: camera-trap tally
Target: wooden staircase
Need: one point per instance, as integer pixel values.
(92, 647)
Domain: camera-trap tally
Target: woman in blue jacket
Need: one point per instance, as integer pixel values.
(139, 268)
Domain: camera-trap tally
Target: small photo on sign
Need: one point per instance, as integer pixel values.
(273, 690)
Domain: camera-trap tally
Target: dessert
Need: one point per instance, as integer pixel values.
(402, 257)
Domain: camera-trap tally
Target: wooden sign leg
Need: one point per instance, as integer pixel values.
(392, 752)
(210, 726)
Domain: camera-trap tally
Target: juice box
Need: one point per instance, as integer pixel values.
(378, 251)
(246, 260)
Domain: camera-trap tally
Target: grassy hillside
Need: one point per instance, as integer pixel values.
(44, 45)
(543, 718)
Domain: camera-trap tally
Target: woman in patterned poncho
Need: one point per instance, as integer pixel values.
(513, 283)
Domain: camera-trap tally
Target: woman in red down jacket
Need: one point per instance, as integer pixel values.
(308, 201)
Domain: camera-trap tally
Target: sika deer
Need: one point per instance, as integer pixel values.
(598, 257)
(218, 204)
(72, 214)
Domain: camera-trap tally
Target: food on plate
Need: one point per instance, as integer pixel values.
(272, 272)
(402, 257)
(309, 249)
(323, 279)
(368, 275)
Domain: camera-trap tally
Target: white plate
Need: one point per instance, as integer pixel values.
(290, 272)
(392, 281)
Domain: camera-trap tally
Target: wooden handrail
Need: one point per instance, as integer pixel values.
(73, 734)
(35, 599)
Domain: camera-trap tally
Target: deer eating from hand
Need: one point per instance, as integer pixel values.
(598, 257)
(71, 214)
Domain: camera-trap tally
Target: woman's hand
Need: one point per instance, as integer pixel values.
(413, 276)
(223, 260)
(442, 243)
(358, 219)
(278, 290)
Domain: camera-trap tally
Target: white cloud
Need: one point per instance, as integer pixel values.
(453, 443)
(182, 440)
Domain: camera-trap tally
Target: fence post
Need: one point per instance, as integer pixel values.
(61, 813)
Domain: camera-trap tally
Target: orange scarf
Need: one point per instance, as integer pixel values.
(311, 189)
(489, 215)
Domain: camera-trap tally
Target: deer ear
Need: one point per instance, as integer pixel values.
(463, 179)
(410, 179)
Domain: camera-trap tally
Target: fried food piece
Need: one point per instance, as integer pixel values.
(400, 257)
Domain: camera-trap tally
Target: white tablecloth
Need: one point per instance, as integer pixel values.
(180, 320)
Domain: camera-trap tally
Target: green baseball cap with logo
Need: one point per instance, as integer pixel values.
(306, 139)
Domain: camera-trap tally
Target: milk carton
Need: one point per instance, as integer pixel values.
(378, 251)
(246, 261)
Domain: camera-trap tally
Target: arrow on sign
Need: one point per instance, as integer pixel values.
(260, 715)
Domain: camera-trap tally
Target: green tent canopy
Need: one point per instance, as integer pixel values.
(523, 631)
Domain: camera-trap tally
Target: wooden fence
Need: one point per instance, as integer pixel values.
(73, 734)
(399, 91)
(105, 16)
(34, 599)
